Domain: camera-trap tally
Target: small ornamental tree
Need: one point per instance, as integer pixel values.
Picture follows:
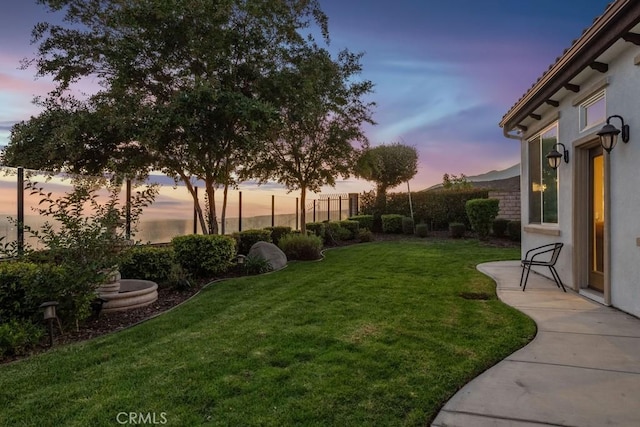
(481, 213)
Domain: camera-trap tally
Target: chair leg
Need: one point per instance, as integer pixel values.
(526, 278)
(556, 277)
(522, 274)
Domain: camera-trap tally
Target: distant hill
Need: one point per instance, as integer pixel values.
(505, 180)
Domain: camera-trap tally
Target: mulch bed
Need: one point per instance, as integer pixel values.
(168, 298)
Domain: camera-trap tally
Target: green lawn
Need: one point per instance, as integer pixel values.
(376, 334)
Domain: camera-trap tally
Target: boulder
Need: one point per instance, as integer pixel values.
(269, 252)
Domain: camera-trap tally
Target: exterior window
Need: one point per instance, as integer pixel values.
(543, 181)
(593, 111)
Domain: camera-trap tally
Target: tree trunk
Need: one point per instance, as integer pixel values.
(224, 207)
(196, 203)
(303, 211)
(211, 208)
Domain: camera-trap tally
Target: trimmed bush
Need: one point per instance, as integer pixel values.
(246, 239)
(17, 281)
(334, 233)
(18, 336)
(457, 230)
(300, 247)
(436, 208)
(203, 256)
(365, 235)
(317, 229)
(353, 227)
(422, 230)
(500, 227)
(392, 223)
(277, 232)
(514, 230)
(364, 221)
(148, 263)
(407, 225)
(481, 213)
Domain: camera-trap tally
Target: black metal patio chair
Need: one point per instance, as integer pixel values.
(530, 260)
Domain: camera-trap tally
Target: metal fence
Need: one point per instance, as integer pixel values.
(173, 212)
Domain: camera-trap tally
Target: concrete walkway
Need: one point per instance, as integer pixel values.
(582, 368)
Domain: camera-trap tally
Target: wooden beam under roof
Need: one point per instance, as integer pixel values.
(535, 116)
(599, 66)
(553, 103)
(572, 87)
(522, 128)
(632, 38)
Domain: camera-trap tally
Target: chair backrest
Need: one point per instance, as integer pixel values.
(556, 253)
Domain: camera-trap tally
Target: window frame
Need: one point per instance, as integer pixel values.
(540, 150)
(589, 102)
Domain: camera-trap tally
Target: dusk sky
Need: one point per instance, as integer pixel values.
(445, 72)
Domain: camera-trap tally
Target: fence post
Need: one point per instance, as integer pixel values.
(339, 208)
(297, 207)
(328, 209)
(273, 210)
(314, 210)
(20, 211)
(127, 218)
(240, 211)
(195, 212)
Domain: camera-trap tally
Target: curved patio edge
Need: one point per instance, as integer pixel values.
(582, 368)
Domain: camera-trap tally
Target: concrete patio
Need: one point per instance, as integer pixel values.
(582, 368)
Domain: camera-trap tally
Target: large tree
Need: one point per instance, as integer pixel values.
(181, 78)
(321, 109)
(388, 166)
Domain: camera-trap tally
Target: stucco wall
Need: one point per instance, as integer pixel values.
(622, 98)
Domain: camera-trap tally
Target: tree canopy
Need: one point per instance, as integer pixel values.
(321, 110)
(193, 88)
(388, 166)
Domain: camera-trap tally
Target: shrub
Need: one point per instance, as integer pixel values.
(392, 223)
(256, 265)
(457, 230)
(364, 221)
(148, 263)
(352, 227)
(365, 236)
(500, 227)
(301, 247)
(514, 230)
(24, 286)
(204, 255)
(437, 208)
(481, 213)
(422, 230)
(316, 228)
(18, 336)
(277, 232)
(334, 233)
(16, 286)
(246, 239)
(407, 225)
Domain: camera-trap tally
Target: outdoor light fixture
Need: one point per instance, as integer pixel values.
(609, 134)
(555, 158)
(240, 259)
(49, 313)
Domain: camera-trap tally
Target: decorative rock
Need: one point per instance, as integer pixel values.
(269, 252)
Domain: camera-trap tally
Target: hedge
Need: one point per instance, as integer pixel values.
(204, 255)
(436, 208)
(246, 239)
(365, 221)
(392, 223)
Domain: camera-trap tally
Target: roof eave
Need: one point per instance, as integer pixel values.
(617, 20)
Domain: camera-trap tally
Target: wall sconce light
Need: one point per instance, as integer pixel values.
(555, 158)
(609, 134)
